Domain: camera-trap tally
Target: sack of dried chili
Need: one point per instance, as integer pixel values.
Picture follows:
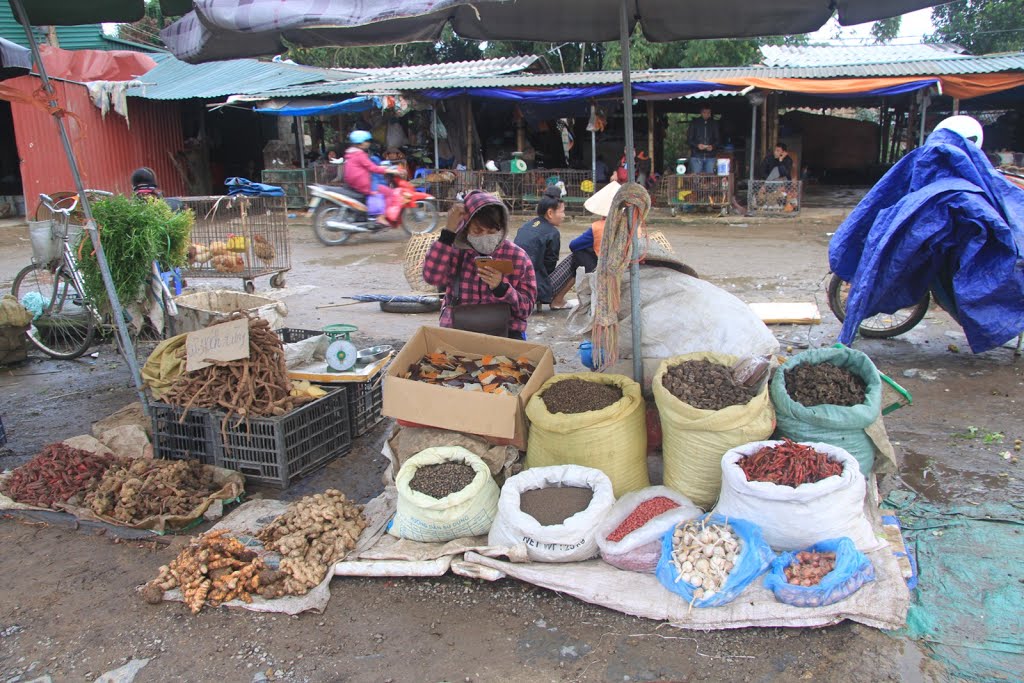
(638, 549)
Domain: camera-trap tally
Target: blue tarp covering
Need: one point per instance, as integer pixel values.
(942, 218)
(350, 106)
(882, 92)
(552, 95)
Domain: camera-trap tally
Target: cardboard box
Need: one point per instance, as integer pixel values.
(489, 415)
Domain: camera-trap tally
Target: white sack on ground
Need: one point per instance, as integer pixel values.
(680, 314)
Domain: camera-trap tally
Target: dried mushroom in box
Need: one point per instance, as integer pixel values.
(489, 374)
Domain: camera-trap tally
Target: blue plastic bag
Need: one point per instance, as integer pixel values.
(853, 569)
(754, 558)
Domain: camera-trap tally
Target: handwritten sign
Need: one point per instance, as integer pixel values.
(227, 341)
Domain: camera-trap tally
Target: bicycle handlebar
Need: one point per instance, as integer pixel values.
(50, 204)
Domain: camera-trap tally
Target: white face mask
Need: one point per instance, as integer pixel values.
(485, 244)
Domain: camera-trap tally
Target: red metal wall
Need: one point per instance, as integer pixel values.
(108, 150)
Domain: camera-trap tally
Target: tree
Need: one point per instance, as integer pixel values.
(885, 30)
(980, 26)
(147, 29)
(693, 53)
(450, 48)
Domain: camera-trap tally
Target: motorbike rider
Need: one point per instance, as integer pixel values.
(359, 170)
(144, 185)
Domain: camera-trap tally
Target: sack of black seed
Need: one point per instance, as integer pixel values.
(832, 396)
(444, 493)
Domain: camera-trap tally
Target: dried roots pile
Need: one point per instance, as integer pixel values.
(143, 488)
(311, 535)
(56, 474)
(257, 385)
(704, 555)
(214, 569)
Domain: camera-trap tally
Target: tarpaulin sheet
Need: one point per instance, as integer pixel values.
(977, 85)
(95, 65)
(969, 605)
(313, 108)
(940, 218)
(836, 87)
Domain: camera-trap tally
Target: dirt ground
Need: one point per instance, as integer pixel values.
(67, 603)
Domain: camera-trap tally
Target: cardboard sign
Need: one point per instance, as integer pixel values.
(227, 341)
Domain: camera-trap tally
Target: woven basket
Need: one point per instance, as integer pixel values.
(415, 255)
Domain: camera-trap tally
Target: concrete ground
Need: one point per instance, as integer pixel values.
(67, 603)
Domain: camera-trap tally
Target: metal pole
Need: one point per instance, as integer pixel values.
(437, 147)
(634, 264)
(90, 222)
(593, 147)
(924, 117)
(300, 142)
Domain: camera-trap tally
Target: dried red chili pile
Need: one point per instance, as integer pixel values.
(789, 464)
(56, 474)
(644, 512)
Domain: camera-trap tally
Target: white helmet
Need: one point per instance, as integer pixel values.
(966, 126)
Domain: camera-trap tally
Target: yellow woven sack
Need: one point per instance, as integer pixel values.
(164, 365)
(694, 440)
(613, 440)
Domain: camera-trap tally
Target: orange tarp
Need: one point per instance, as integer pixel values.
(976, 85)
(831, 86)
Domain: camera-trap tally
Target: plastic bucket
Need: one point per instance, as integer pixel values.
(723, 166)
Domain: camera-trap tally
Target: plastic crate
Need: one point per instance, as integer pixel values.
(190, 439)
(365, 404)
(276, 450)
(365, 399)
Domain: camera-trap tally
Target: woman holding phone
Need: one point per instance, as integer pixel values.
(488, 282)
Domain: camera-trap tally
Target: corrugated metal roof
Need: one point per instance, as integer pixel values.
(172, 79)
(941, 67)
(849, 55)
(468, 69)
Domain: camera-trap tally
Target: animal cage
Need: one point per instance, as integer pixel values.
(775, 196)
(694, 191)
(243, 237)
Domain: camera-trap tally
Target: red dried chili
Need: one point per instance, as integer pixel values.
(644, 512)
(789, 464)
(56, 474)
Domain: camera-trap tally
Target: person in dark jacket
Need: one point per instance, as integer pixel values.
(541, 240)
(703, 137)
(778, 166)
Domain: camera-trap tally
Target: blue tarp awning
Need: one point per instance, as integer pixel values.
(354, 105)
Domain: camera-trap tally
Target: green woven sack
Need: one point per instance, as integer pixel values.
(835, 425)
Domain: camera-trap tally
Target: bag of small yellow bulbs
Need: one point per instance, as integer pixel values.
(305, 388)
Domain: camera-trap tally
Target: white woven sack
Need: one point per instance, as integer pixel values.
(795, 518)
(639, 550)
(468, 512)
(574, 540)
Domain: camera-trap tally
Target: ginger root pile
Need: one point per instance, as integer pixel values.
(214, 569)
(141, 488)
(311, 535)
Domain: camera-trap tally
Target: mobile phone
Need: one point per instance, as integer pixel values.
(502, 266)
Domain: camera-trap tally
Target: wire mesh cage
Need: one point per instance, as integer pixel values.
(578, 183)
(243, 237)
(294, 181)
(694, 191)
(775, 196)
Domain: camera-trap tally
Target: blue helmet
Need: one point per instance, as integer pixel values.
(358, 137)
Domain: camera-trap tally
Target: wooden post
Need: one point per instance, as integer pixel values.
(764, 130)
(883, 124)
(650, 132)
(956, 105)
(912, 121)
(520, 135)
(469, 134)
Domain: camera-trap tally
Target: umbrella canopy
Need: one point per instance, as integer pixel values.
(223, 29)
(15, 60)
(74, 12)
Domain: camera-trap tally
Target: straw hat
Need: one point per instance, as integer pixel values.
(601, 202)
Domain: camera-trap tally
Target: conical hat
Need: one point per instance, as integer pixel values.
(601, 202)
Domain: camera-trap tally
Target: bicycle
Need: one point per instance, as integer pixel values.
(66, 321)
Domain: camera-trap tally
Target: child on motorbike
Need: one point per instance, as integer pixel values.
(359, 170)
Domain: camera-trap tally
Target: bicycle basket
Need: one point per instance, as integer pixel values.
(47, 237)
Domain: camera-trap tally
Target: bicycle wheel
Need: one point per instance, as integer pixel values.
(883, 325)
(66, 324)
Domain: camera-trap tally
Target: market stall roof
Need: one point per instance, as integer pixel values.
(173, 79)
(849, 55)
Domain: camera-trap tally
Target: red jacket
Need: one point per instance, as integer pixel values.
(359, 170)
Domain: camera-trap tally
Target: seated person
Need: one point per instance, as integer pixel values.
(359, 170)
(540, 239)
(584, 248)
(778, 166)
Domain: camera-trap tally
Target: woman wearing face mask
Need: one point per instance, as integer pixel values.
(457, 264)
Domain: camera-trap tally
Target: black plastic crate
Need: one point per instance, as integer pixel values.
(276, 450)
(190, 439)
(290, 335)
(365, 404)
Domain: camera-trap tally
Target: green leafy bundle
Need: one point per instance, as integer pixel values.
(134, 232)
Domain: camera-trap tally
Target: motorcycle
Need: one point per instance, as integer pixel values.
(340, 212)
